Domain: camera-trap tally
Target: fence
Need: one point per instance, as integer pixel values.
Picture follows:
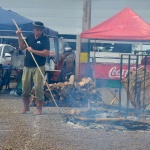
(136, 82)
(124, 85)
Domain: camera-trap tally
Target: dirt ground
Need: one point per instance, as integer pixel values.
(50, 131)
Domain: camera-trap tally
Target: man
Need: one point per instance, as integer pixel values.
(38, 44)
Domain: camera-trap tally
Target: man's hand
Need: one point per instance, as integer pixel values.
(21, 43)
(30, 49)
(18, 32)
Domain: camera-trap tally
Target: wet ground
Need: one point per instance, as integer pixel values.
(50, 131)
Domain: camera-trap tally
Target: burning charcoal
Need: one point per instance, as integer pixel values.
(135, 125)
(89, 113)
(70, 118)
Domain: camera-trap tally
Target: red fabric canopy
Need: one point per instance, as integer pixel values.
(125, 25)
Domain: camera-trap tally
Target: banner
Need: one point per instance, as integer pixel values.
(112, 71)
(106, 71)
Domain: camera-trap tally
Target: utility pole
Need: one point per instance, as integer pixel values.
(86, 24)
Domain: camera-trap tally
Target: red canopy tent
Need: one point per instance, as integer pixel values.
(125, 26)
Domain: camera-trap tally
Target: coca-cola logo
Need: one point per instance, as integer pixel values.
(114, 72)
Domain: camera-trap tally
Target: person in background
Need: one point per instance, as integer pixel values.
(39, 46)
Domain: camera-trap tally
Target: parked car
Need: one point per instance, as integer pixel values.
(66, 63)
(5, 53)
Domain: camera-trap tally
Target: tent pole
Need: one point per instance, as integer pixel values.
(78, 51)
(141, 48)
(94, 62)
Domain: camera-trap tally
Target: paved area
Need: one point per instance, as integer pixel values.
(49, 131)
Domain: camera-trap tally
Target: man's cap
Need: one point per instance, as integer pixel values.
(38, 24)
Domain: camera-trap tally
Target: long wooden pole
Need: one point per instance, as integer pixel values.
(86, 22)
(36, 64)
